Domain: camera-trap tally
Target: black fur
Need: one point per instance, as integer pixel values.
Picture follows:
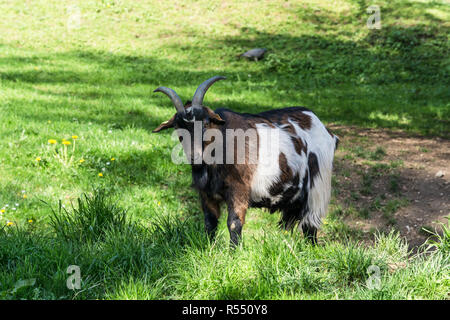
(313, 165)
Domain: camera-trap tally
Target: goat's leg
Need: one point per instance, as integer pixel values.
(235, 221)
(287, 220)
(211, 211)
(310, 233)
(234, 227)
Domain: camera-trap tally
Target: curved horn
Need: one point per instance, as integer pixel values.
(197, 100)
(176, 100)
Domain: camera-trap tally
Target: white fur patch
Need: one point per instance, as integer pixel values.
(322, 144)
(268, 169)
(272, 142)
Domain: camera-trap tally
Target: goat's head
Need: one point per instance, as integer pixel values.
(193, 118)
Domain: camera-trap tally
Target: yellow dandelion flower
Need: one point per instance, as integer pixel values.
(74, 137)
(159, 203)
(30, 221)
(100, 174)
(66, 143)
(2, 211)
(9, 224)
(38, 159)
(113, 159)
(52, 141)
(24, 196)
(82, 160)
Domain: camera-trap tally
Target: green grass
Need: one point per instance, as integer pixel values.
(143, 236)
(171, 259)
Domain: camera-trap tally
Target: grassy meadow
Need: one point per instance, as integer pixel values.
(84, 182)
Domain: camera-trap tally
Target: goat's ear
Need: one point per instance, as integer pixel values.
(214, 116)
(166, 124)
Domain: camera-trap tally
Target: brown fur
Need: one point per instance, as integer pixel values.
(303, 120)
(285, 177)
(212, 205)
(298, 145)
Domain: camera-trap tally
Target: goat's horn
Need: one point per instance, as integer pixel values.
(197, 100)
(176, 100)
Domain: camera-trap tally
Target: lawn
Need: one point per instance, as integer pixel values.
(110, 200)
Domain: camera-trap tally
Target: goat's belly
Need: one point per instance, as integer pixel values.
(278, 195)
(289, 198)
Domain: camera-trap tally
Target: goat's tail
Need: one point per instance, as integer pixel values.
(320, 189)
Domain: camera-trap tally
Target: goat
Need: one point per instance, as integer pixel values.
(294, 179)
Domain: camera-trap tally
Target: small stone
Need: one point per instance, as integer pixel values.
(439, 174)
(255, 54)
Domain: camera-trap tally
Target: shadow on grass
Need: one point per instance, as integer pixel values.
(395, 77)
(124, 251)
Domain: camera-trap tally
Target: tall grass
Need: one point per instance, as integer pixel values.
(441, 240)
(89, 219)
(173, 258)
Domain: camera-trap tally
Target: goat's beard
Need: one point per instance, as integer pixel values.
(199, 176)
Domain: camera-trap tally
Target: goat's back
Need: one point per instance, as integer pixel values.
(294, 161)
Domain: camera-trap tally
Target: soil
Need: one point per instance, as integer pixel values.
(415, 174)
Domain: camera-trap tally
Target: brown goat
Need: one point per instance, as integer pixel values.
(286, 166)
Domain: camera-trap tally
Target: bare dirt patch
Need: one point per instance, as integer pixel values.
(388, 180)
